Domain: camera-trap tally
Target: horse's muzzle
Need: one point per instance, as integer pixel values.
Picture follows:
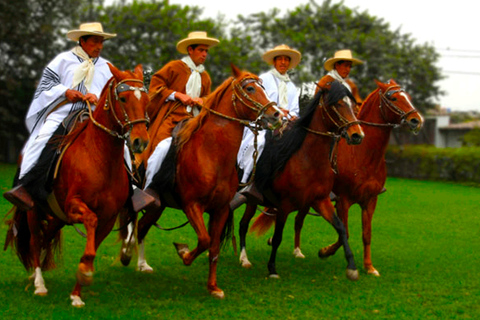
(139, 145)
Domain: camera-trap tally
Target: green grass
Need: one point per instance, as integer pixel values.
(426, 240)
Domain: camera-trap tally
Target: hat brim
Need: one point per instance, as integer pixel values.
(328, 65)
(75, 35)
(182, 45)
(294, 56)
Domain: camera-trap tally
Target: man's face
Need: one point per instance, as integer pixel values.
(281, 63)
(93, 45)
(343, 68)
(199, 54)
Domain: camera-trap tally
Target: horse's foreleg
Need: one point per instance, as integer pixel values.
(367, 215)
(299, 220)
(127, 236)
(342, 207)
(194, 214)
(150, 217)
(276, 241)
(328, 212)
(36, 241)
(216, 227)
(243, 229)
(80, 213)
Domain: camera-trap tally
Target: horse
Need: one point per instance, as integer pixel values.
(91, 184)
(362, 169)
(200, 167)
(295, 169)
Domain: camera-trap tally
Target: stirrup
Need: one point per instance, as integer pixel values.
(143, 199)
(237, 201)
(252, 193)
(20, 197)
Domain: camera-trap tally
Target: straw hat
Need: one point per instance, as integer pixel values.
(91, 28)
(283, 50)
(345, 55)
(196, 37)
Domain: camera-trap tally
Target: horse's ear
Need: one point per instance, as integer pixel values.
(139, 71)
(235, 70)
(115, 71)
(378, 82)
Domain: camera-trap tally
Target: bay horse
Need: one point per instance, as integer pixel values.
(91, 185)
(362, 170)
(200, 167)
(295, 170)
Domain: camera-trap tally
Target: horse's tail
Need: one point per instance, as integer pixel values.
(18, 237)
(262, 224)
(227, 229)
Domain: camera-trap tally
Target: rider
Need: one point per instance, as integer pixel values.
(176, 92)
(70, 80)
(283, 91)
(338, 68)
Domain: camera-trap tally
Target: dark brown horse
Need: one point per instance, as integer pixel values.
(362, 169)
(295, 170)
(92, 184)
(204, 167)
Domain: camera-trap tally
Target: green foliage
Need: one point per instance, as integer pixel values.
(427, 162)
(472, 138)
(423, 245)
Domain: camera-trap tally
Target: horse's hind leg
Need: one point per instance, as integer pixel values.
(367, 215)
(243, 228)
(342, 206)
(36, 242)
(150, 217)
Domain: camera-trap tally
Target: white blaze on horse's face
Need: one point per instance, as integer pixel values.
(137, 93)
(403, 94)
(348, 101)
(268, 97)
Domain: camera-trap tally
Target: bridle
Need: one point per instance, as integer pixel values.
(119, 88)
(386, 103)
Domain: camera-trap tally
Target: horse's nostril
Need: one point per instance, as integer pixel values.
(357, 138)
(414, 122)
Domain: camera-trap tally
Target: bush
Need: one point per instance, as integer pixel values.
(430, 163)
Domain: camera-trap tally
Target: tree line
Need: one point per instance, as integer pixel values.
(33, 32)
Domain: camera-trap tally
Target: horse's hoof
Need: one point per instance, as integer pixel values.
(269, 241)
(323, 253)
(125, 258)
(84, 278)
(298, 253)
(246, 264)
(373, 272)
(145, 268)
(274, 276)
(352, 274)
(182, 249)
(77, 301)
(219, 294)
(42, 292)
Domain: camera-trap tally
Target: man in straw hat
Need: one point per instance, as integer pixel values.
(69, 80)
(280, 89)
(176, 92)
(338, 69)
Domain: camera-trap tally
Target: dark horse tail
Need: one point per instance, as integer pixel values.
(227, 229)
(19, 236)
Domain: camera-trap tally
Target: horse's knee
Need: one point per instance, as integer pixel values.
(204, 242)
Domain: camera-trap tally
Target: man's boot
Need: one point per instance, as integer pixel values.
(142, 199)
(20, 198)
(237, 201)
(252, 193)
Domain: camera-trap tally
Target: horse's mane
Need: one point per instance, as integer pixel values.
(278, 151)
(371, 98)
(194, 124)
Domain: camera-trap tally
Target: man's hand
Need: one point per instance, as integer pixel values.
(92, 98)
(183, 98)
(73, 95)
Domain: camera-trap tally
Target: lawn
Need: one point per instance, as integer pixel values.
(425, 244)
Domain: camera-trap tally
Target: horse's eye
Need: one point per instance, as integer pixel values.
(250, 89)
(122, 99)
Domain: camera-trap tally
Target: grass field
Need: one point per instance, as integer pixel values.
(426, 244)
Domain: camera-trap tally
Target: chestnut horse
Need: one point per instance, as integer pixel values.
(362, 169)
(91, 185)
(295, 170)
(200, 168)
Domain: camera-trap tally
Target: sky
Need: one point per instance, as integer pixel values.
(449, 26)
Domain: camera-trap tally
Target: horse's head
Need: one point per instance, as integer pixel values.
(338, 104)
(127, 99)
(253, 103)
(396, 106)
